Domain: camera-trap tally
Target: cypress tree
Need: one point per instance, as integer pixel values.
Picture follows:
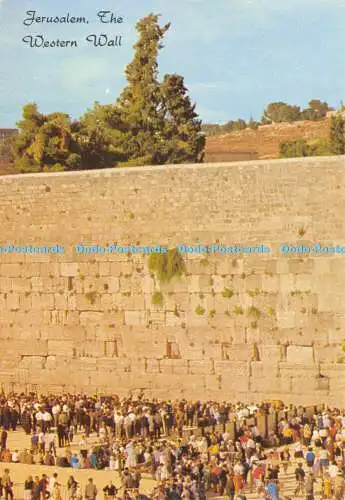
(184, 141)
(140, 101)
(337, 135)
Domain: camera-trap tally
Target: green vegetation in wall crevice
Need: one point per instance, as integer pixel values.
(238, 311)
(227, 293)
(91, 297)
(157, 299)
(254, 311)
(166, 266)
(199, 310)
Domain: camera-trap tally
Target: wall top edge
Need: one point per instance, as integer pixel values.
(315, 160)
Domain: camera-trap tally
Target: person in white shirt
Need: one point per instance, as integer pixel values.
(333, 470)
(41, 441)
(52, 482)
(119, 419)
(56, 410)
(46, 421)
(39, 419)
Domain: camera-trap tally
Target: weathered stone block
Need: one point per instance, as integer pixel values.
(300, 354)
(69, 269)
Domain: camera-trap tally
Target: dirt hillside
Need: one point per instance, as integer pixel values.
(263, 142)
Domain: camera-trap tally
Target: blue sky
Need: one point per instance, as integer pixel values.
(236, 55)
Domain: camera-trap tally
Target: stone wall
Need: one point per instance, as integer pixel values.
(88, 323)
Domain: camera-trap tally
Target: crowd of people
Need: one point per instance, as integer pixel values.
(136, 436)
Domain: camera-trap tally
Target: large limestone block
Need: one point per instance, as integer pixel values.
(238, 352)
(10, 270)
(270, 283)
(174, 366)
(270, 354)
(237, 368)
(12, 301)
(70, 269)
(21, 284)
(270, 384)
(135, 317)
(60, 348)
(260, 369)
(300, 354)
(200, 367)
(287, 283)
(91, 317)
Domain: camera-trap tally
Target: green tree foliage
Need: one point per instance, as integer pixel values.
(317, 110)
(275, 112)
(278, 112)
(181, 138)
(301, 147)
(99, 135)
(294, 149)
(44, 142)
(252, 124)
(160, 122)
(140, 101)
(337, 135)
(152, 122)
(227, 128)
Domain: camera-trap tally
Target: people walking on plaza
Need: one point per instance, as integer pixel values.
(4, 435)
(7, 485)
(309, 486)
(110, 491)
(28, 488)
(36, 489)
(285, 458)
(90, 490)
(71, 488)
(300, 480)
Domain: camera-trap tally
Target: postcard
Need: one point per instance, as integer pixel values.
(172, 248)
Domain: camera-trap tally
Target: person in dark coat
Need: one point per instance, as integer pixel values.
(14, 416)
(26, 422)
(6, 418)
(3, 439)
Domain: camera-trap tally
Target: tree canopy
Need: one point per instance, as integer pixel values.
(152, 121)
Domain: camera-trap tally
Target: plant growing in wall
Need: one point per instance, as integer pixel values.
(254, 311)
(199, 310)
(91, 297)
(238, 310)
(157, 299)
(271, 311)
(301, 232)
(227, 293)
(166, 266)
(212, 313)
